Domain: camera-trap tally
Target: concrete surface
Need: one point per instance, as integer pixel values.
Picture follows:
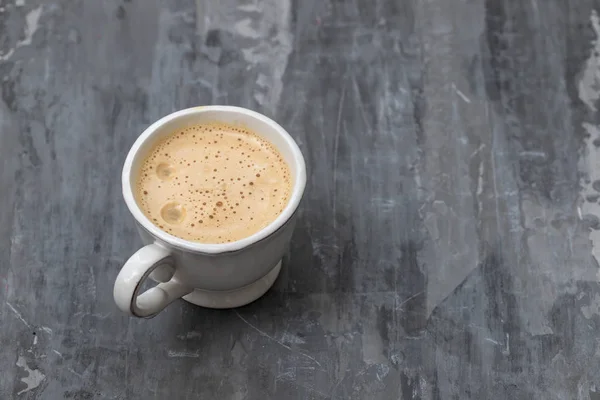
(447, 243)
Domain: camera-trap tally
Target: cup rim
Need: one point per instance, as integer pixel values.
(214, 248)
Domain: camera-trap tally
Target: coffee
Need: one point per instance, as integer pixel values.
(213, 183)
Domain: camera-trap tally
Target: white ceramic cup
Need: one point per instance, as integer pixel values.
(211, 275)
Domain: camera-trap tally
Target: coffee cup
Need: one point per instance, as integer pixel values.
(221, 275)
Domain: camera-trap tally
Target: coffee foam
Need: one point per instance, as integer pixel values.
(213, 183)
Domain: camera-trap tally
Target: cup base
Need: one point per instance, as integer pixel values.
(237, 297)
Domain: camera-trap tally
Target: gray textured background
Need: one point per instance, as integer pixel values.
(446, 244)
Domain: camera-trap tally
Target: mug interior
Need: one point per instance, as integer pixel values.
(257, 123)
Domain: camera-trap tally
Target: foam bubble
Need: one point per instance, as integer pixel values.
(173, 213)
(165, 171)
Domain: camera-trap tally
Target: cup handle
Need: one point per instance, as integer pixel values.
(152, 259)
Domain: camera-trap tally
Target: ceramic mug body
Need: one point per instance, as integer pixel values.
(214, 275)
(230, 270)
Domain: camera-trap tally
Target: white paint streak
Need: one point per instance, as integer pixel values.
(262, 80)
(277, 341)
(361, 106)
(57, 352)
(383, 205)
(35, 340)
(590, 166)
(480, 183)
(249, 8)
(399, 306)
(182, 354)
(47, 330)
(190, 335)
(34, 377)
(506, 351)
(291, 338)
(589, 85)
(18, 314)
(288, 375)
(461, 94)
(96, 315)
(425, 389)
(71, 370)
(336, 141)
(202, 19)
(382, 371)
(31, 26)
(31, 20)
(267, 40)
(532, 155)
(244, 28)
(397, 358)
(91, 283)
(477, 150)
(589, 162)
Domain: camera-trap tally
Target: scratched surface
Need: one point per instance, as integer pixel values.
(447, 242)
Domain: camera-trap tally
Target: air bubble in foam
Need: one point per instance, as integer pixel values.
(165, 171)
(173, 213)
